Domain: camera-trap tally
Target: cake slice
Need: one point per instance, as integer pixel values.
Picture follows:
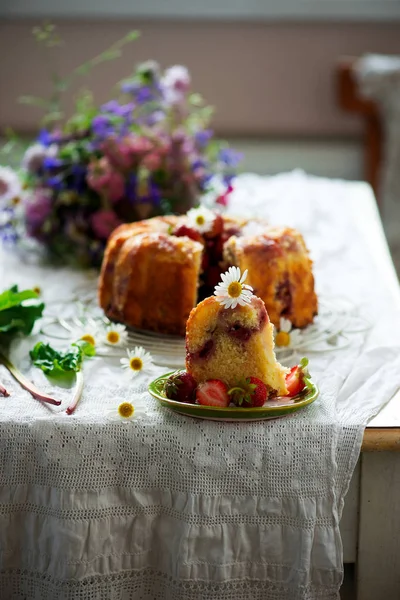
(233, 343)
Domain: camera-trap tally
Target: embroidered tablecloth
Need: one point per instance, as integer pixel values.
(169, 507)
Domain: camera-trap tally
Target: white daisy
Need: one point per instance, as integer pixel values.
(87, 333)
(10, 186)
(35, 155)
(115, 334)
(202, 219)
(232, 290)
(125, 412)
(138, 360)
(286, 336)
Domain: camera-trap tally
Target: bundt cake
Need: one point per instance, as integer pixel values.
(155, 271)
(232, 343)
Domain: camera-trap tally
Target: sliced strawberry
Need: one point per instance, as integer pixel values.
(213, 393)
(184, 230)
(249, 392)
(181, 386)
(298, 378)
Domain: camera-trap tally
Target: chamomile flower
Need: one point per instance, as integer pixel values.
(125, 412)
(87, 333)
(286, 336)
(138, 361)
(202, 219)
(232, 290)
(115, 334)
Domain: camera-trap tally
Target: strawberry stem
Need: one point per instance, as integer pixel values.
(26, 384)
(78, 393)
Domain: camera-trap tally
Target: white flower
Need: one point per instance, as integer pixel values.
(87, 333)
(10, 186)
(286, 336)
(233, 291)
(35, 155)
(126, 411)
(115, 334)
(175, 84)
(202, 219)
(138, 360)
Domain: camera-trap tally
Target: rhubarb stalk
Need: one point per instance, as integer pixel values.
(78, 393)
(26, 384)
(3, 391)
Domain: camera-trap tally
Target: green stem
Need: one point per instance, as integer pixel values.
(78, 393)
(25, 383)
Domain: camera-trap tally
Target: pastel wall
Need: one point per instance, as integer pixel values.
(264, 79)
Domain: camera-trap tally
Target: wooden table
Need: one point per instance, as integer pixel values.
(370, 524)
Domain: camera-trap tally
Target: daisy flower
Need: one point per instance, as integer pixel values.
(115, 335)
(232, 290)
(87, 333)
(125, 412)
(10, 186)
(286, 336)
(138, 360)
(202, 219)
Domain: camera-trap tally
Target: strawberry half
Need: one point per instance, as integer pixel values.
(181, 386)
(249, 392)
(298, 378)
(213, 393)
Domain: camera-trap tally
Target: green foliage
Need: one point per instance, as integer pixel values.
(56, 363)
(242, 392)
(303, 364)
(19, 311)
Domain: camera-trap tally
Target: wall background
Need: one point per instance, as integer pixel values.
(265, 79)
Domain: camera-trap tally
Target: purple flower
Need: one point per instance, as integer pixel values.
(78, 178)
(199, 164)
(37, 210)
(231, 158)
(110, 107)
(46, 138)
(203, 137)
(56, 183)
(52, 162)
(101, 126)
(144, 94)
(130, 87)
(130, 187)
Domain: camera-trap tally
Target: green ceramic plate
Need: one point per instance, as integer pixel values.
(278, 407)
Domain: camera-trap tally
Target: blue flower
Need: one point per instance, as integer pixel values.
(199, 164)
(51, 162)
(101, 126)
(203, 137)
(56, 183)
(45, 137)
(231, 158)
(78, 178)
(130, 87)
(144, 94)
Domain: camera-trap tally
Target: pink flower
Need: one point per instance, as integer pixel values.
(152, 161)
(105, 180)
(38, 207)
(104, 222)
(125, 153)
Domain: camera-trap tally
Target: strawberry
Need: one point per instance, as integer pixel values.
(181, 386)
(249, 392)
(184, 230)
(217, 227)
(213, 393)
(298, 378)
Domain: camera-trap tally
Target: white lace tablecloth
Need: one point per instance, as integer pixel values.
(168, 507)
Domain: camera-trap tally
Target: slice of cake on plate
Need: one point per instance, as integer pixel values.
(229, 337)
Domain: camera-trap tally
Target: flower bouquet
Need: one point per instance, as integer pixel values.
(148, 152)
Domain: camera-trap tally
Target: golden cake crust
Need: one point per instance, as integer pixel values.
(150, 277)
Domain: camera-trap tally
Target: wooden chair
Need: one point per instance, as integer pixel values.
(350, 100)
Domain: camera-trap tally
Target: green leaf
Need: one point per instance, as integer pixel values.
(56, 363)
(19, 311)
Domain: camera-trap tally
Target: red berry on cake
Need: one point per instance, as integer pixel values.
(181, 386)
(213, 393)
(216, 228)
(185, 231)
(249, 392)
(298, 378)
